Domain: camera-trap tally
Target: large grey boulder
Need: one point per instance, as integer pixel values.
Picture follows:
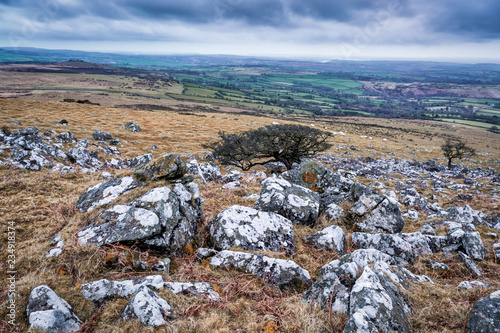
(331, 238)
(374, 212)
(105, 192)
(251, 229)
(283, 274)
(329, 293)
(377, 305)
(179, 211)
(298, 204)
(473, 246)
(315, 176)
(348, 267)
(101, 135)
(391, 244)
(121, 223)
(146, 305)
(485, 315)
(334, 211)
(50, 313)
(169, 166)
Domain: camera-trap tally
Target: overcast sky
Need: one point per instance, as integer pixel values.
(341, 29)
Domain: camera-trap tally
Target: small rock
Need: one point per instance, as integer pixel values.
(473, 284)
(100, 135)
(132, 127)
(473, 246)
(148, 307)
(331, 238)
(334, 211)
(232, 185)
(49, 312)
(329, 293)
(437, 266)
(169, 166)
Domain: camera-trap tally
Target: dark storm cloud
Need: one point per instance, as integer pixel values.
(453, 19)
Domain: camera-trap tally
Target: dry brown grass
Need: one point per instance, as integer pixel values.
(42, 204)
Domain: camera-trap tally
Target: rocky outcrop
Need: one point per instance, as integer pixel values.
(470, 264)
(148, 307)
(105, 192)
(169, 166)
(485, 315)
(283, 274)
(329, 293)
(132, 127)
(251, 229)
(298, 204)
(393, 245)
(50, 313)
(206, 171)
(331, 238)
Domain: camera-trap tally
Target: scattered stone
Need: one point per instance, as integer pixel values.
(106, 175)
(298, 204)
(251, 196)
(132, 127)
(50, 313)
(470, 264)
(466, 214)
(105, 289)
(104, 193)
(331, 238)
(232, 176)
(198, 289)
(115, 142)
(485, 315)
(428, 230)
(148, 307)
(204, 253)
(169, 166)
(67, 169)
(473, 284)
(284, 274)
(100, 135)
(251, 229)
(83, 157)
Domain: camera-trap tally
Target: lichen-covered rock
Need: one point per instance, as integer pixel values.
(148, 307)
(376, 305)
(284, 274)
(391, 244)
(329, 293)
(485, 315)
(197, 289)
(437, 266)
(350, 265)
(105, 192)
(331, 238)
(374, 212)
(251, 229)
(206, 171)
(169, 166)
(140, 160)
(473, 246)
(298, 204)
(83, 157)
(101, 135)
(66, 137)
(121, 223)
(466, 214)
(50, 313)
(470, 264)
(104, 289)
(334, 211)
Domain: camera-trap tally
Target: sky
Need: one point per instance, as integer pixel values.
(461, 30)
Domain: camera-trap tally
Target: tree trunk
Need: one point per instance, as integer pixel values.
(449, 162)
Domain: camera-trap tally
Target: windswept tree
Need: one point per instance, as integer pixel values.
(273, 143)
(456, 149)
